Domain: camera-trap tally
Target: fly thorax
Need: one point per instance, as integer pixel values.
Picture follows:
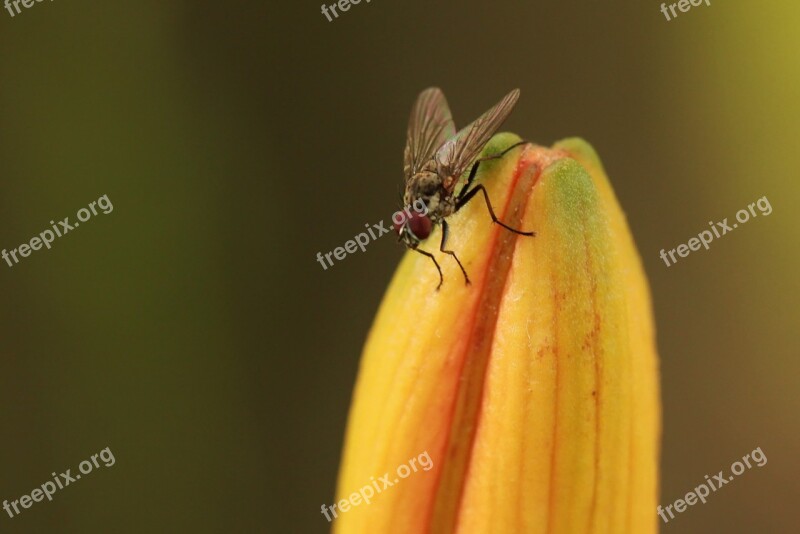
(428, 183)
(424, 185)
(433, 203)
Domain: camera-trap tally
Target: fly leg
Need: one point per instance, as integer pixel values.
(436, 263)
(445, 229)
(466, 198)
(474, 170)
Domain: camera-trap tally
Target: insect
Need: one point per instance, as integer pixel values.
(435, 158)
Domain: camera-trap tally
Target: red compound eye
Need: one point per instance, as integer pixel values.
(420, 225)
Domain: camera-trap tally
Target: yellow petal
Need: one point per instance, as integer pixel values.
(533, 391)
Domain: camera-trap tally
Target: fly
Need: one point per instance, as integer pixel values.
(435, 158)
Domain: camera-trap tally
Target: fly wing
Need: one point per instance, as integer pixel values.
(430, 125)
(460, 151)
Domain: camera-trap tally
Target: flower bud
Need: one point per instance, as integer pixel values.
(533, 391)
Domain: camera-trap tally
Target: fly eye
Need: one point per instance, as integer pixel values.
(420, 225)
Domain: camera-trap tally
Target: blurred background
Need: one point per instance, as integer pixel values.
(193, 332)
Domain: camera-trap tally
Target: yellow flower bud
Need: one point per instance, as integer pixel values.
(533, 391)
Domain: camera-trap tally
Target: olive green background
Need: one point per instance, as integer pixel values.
(192, 331)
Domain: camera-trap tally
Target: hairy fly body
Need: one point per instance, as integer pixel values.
(435, 158)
